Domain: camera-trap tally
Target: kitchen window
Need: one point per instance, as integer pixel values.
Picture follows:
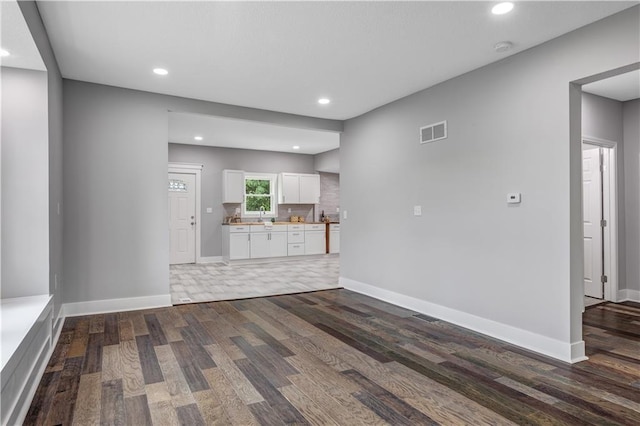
(259, 192)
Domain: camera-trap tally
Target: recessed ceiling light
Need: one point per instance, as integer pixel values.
(296, 147)
(502, 46)
(198, 138)
(4, 53)
(324, 101)
(160, 71)
(502, 8)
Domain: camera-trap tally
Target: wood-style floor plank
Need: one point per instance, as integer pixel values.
(328, 358)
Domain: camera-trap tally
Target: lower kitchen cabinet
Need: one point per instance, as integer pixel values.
(334, 238)
(315, 239)
(268, 243)
(236, 244)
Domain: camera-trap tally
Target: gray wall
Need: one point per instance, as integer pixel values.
(116, 243)
(54, 88)
(602, 119)
(328, 162)
(217, 159)
(631, 138)
(25, 183)
(509, 130)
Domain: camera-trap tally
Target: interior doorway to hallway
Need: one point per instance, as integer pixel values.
(599, 220)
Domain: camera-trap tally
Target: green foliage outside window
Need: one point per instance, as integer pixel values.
(258, 194)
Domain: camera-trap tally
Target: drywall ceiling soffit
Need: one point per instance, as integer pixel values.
(283, 56)
(623, 87)
(16, 39)
(243, 134)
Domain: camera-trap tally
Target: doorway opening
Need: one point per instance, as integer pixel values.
(599, 220)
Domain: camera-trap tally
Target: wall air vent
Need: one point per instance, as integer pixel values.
(433, 132)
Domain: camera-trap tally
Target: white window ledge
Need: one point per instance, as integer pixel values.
(17, 316)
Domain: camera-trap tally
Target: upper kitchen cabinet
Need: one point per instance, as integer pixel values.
(296, 188)
(232, 186)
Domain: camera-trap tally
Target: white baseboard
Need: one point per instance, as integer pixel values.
(211, 259)
(629, 295)
(115, 305)
(563, 351)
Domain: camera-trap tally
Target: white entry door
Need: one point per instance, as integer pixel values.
(592, 214)
(182, 218)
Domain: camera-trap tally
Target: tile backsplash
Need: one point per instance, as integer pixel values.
(329, 196)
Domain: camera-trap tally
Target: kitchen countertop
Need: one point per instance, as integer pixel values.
(278, 223)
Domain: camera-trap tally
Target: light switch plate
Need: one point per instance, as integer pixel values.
(344, 214)
(514, 198)
(209, 209)
(417, 210)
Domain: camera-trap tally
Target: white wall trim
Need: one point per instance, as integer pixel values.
(629, 295)
(563, 351)
(211, 259)
(116, 305)
(610, 214)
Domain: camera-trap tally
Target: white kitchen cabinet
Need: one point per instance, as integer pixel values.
(315, 239)
(334, 238)
(309, 189)
(268, 241)
(296, 188)
(232, 186)
(238, 242)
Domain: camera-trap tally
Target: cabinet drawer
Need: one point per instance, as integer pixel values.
(296, 237)
(296, 249)
(273, 228)
(314, 227)
(239, 228)
(295, 227)
(334, 227)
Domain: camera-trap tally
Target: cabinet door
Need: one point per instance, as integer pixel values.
(232, 186)
(259, 245)
(309, 189)
(278, 244)
(238, 246)
(290, 189)
(334, 241)
(314, 242)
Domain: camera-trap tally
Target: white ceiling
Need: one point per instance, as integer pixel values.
(224, 132)
(283, 56)
(623, 87)
(16, 39)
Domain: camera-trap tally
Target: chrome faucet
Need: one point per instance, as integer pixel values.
(261, 212)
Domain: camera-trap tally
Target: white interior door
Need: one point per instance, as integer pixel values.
(182, 218)
(592, 214)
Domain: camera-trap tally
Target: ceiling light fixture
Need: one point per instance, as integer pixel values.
(502, 8)
(160, 71)
(198, 138)
(296, 147)
(324, 101)
(502, 46)
(4, 53)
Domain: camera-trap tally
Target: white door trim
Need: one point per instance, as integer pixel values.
(192, 169)
(610, 214)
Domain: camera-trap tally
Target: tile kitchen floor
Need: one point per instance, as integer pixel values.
(217, 281)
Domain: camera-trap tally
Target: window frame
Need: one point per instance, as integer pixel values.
(273, 185)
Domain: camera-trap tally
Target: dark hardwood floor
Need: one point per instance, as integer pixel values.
(327, 358)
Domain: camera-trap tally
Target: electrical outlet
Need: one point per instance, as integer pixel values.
(344, 214)
(337, 209)
(417, 210)
(209, 210)
(289, 210)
